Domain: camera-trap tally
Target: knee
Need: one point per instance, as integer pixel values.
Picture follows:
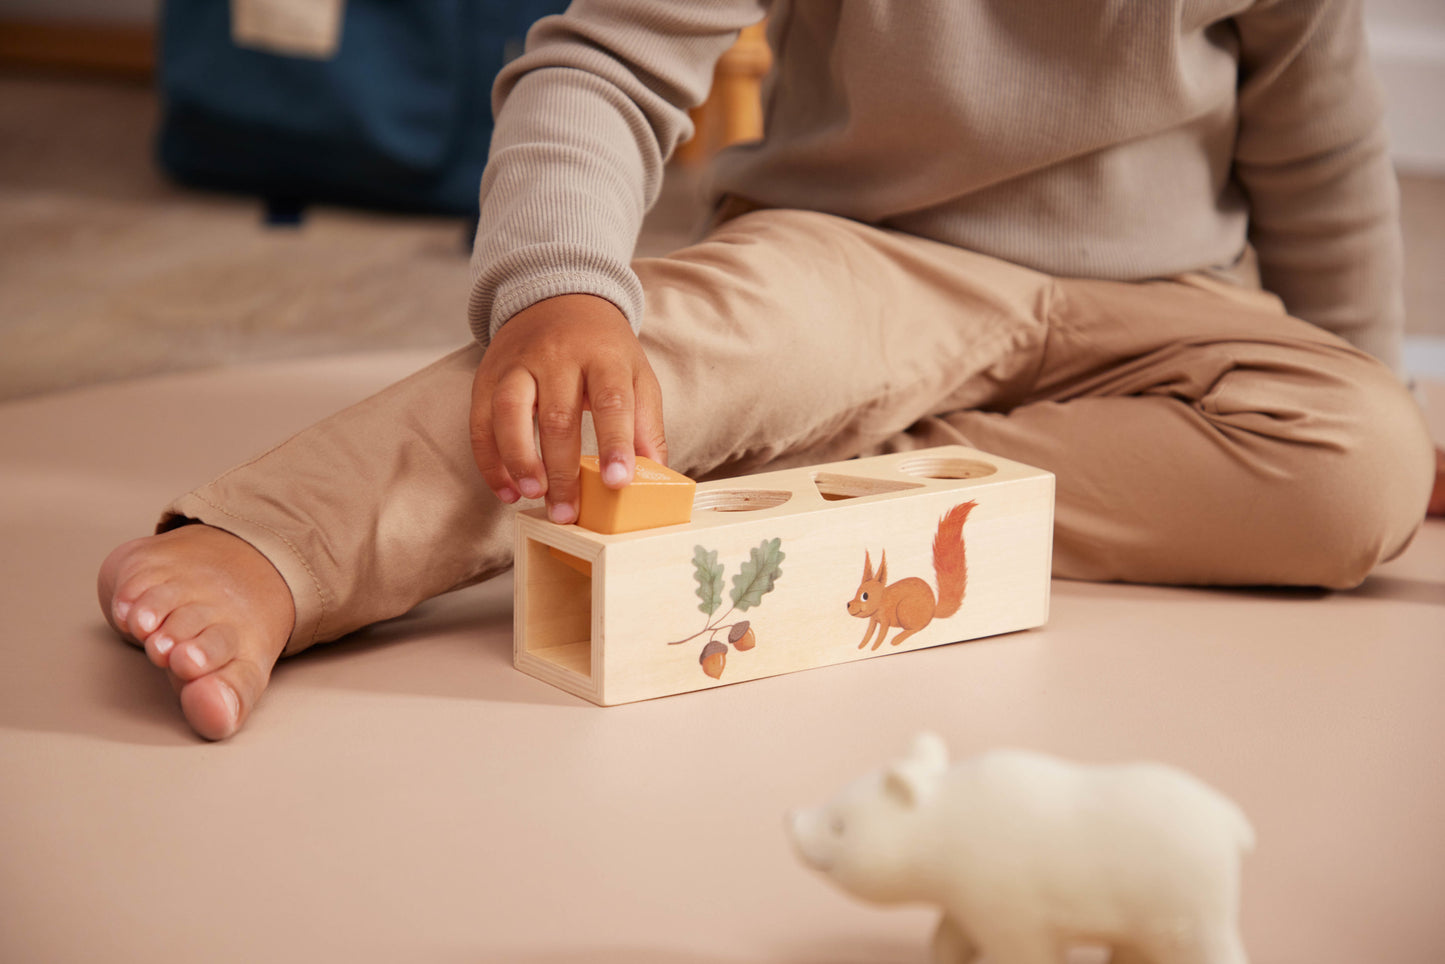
(1356, 482)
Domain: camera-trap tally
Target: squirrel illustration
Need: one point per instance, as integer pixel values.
(909, 604)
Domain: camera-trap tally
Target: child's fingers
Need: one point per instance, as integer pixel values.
(515, 401)
(485, 449)
(559, 429)
(610, 396)
(531, 386)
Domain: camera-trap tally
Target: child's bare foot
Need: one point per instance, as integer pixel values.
(210, 610)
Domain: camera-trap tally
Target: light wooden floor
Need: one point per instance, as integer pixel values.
(107, 271)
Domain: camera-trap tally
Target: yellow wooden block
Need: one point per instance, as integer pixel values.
(658, 496)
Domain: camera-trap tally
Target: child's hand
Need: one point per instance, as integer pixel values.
(549, 363)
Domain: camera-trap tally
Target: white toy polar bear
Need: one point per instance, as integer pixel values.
(1028, 854)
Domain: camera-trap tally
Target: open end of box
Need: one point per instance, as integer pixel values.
(558, 627)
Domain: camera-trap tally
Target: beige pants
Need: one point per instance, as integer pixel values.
(1199, 434)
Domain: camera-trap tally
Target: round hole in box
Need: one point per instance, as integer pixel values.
(739, 500)
(934, 467)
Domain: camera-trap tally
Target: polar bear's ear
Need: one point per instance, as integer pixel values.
(913, 778)
(910, 782)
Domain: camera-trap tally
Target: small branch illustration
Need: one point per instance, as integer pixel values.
(755, 579)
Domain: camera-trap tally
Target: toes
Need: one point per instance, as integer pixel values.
(182, 625)
(212, 648)
(212, 707)
(217, 704)
(158, 648)
(119, 585)
(150, 609)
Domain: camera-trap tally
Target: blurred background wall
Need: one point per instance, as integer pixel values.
(1407, 38)
(1407, 41)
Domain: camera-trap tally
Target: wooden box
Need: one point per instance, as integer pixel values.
(784, 571)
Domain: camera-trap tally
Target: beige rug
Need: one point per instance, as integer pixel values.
(108, 271)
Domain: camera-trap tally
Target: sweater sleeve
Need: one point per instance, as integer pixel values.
(1313, 160)
(585, 120)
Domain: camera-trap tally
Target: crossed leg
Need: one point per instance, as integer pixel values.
(1203, 437)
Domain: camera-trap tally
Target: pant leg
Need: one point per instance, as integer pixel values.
(1201, 436)
(371, 510)
(786, 337)
(793, 337)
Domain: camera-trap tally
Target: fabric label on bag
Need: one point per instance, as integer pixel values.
(297, 28)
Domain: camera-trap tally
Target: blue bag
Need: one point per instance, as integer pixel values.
(399, 117)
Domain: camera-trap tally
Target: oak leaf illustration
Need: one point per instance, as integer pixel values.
(709, 575)
(758, 575)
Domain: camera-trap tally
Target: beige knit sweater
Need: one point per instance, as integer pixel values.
(1117, 139)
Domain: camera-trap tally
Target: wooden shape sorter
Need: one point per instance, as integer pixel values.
(785, 571)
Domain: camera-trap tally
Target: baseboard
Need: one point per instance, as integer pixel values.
(124, 50)
(1410, 61)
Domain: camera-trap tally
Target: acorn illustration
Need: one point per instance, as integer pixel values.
(714, 658)
(742, 636)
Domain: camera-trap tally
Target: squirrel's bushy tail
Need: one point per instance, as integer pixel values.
(949, 561)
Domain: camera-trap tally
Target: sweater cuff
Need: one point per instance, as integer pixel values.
(492, 306)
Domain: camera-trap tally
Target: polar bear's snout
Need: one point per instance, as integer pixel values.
(804, 829)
